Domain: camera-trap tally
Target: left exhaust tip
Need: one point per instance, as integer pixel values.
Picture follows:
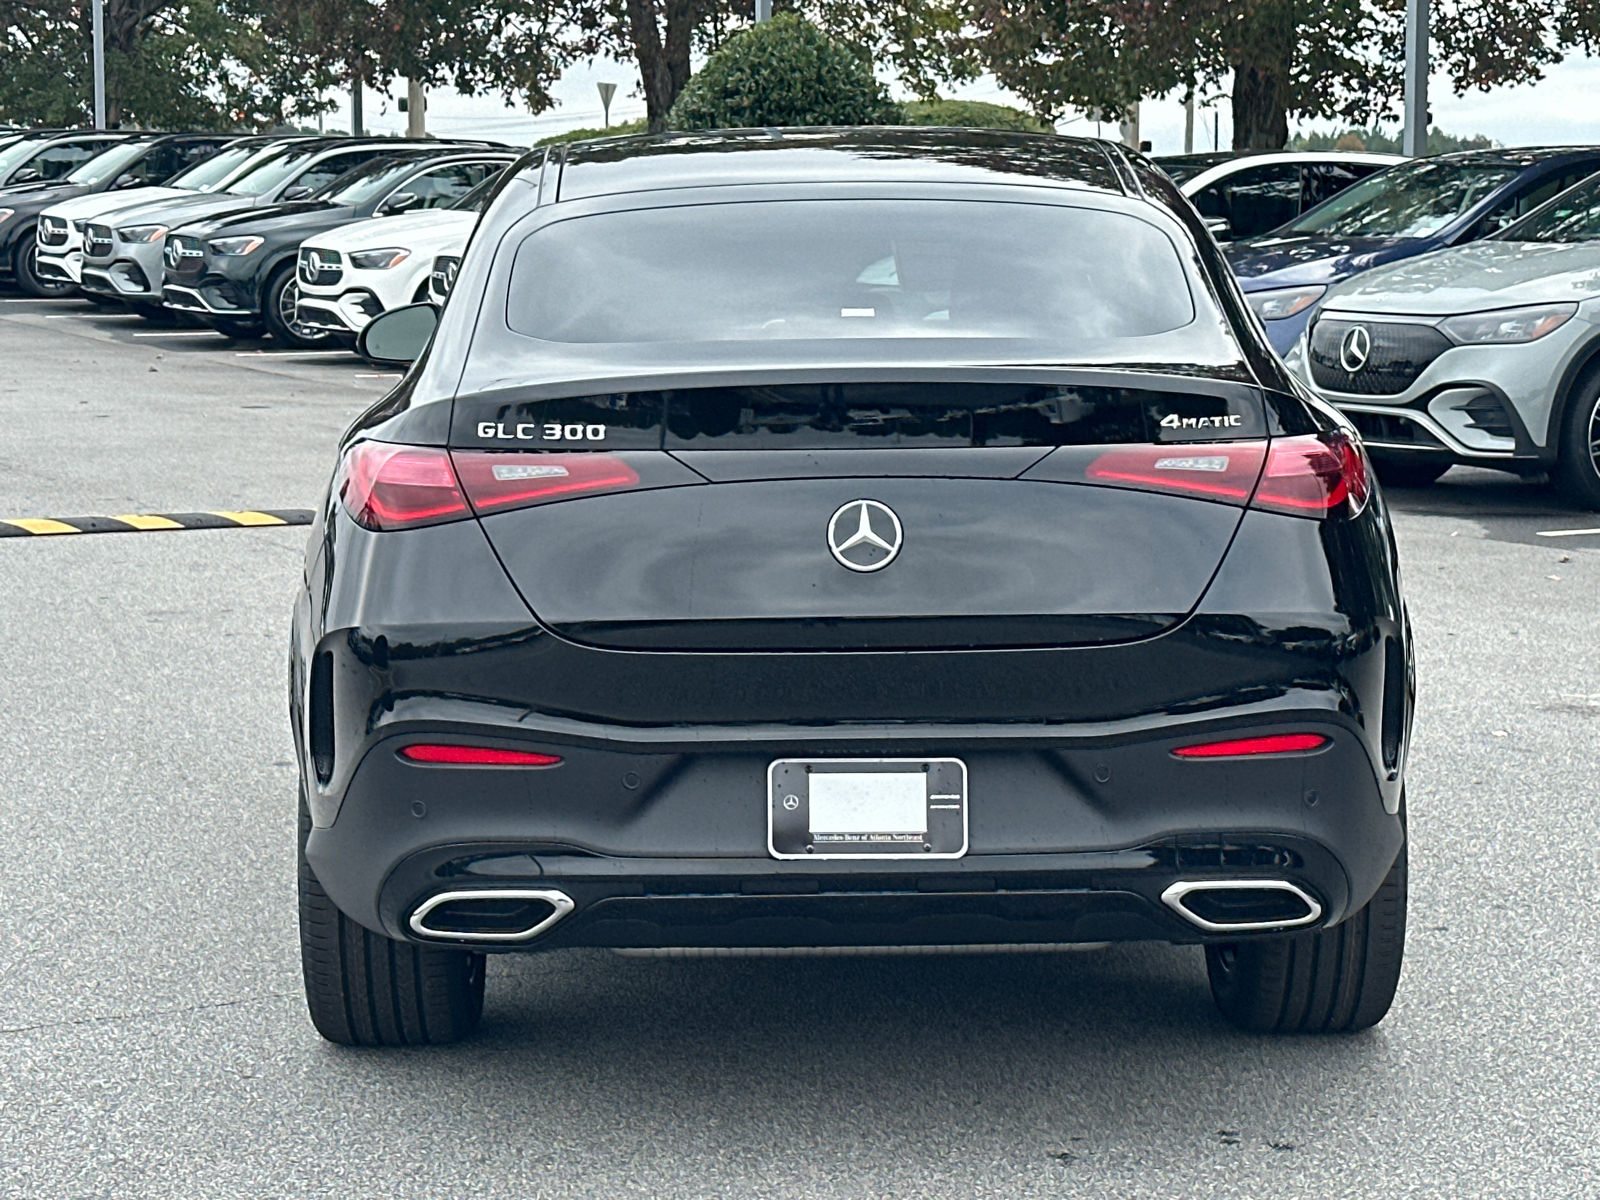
(490, 915)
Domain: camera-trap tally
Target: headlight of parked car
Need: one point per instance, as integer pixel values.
(1507, 325)
(143, 233)
(1284, 302)
(379, 260)
(235, 245)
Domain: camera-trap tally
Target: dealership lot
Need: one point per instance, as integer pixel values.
(155, 1033)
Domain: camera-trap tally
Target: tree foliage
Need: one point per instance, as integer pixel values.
(971, 114)
(199, 64)
(783, 72)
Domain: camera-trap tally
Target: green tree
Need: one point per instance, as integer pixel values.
(971, 114)
(783, 72)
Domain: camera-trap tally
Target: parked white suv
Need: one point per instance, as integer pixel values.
(351, 274)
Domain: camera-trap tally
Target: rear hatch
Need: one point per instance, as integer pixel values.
(861, 515)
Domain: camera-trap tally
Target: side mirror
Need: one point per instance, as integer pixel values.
(298, 192)
(1220, 228)
(398, 336)
(126, 181)
(26, 175)
(400, 202)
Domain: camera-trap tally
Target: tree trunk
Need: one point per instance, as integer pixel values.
(1262, 70)
(663, 67)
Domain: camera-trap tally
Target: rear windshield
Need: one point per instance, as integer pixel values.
(850, 269)
(1573, 216)
(844, 416)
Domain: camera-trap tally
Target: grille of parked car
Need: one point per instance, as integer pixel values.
(97, 241)
(321, 268)
(1384, 359)
(184, 255)
(52, 231)
(443, 276)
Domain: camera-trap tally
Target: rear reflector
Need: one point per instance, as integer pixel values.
(1225, 471)
(1321, 475)
(1277, 743)
(385, 487)
(498, 481)
(477, 756)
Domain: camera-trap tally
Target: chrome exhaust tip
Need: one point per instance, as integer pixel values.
(1242, 905)
(490, 915)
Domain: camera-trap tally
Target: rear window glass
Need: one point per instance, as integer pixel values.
(859, 416)
(850, 269)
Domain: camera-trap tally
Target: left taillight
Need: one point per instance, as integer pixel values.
(386, 487)
(496, 481)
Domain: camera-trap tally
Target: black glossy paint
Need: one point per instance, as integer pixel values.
(488, 631)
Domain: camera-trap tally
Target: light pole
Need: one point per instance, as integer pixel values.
(416, 110)
(99, 64)
(607, 90)
(1414, 135)
(763, 10)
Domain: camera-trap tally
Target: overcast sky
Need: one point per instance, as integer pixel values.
(1564, 107)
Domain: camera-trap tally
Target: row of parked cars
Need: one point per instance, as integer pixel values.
(1449, 305)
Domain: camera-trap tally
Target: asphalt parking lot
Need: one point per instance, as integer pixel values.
(154, 1035)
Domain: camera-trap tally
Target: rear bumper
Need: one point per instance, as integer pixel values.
(1073, 839)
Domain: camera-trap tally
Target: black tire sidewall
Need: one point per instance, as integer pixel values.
(280, 279)
(28, 280)
(1577, 478)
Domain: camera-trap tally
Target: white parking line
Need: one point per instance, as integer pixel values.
(1566, 532)
(378, 375)
(46, 300)
(180, 333)
(293, 353)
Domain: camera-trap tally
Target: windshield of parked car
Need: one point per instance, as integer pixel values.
(1414, 199)
(367, 182)
(1573, 216)
(17, 153)
(208, 174)
(474, 200)
(850, 269)
(269, 173)
(109, 164)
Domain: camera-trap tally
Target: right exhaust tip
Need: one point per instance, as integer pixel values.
(1242, 905)
(490, 915)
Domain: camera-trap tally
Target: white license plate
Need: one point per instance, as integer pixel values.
(867, 808)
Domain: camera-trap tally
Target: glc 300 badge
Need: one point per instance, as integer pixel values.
(865, 535)
(1355, 349)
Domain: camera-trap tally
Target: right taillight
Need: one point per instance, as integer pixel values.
(386, 487)
(1316, 475)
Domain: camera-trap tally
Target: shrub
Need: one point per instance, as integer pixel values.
(971, 114)
(783, 72)
(583, 135)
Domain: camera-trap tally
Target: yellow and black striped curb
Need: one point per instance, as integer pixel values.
(153, 522)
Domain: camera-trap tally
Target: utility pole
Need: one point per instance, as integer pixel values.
(356, 122)
(1414, 135)
(99, 64)
(763, 10)
(1129, 127)
(607, 90)
(416, 110)
(1188, 122)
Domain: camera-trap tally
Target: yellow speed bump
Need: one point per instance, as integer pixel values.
(154, 522)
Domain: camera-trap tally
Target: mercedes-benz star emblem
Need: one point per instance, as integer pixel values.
(865, 535)
(1355, 349)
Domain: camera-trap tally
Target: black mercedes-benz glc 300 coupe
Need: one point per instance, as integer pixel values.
(847, 538)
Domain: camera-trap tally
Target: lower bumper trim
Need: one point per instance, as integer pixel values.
(855, 951)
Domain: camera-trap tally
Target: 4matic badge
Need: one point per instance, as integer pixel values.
(1226, 421)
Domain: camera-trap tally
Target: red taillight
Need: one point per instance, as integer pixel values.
(496, 481)
(386, 487)
(1225, 471)
(1319, 475)
(477, 756)
(1277, 743)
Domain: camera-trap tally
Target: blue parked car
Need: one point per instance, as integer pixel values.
(1422, 205)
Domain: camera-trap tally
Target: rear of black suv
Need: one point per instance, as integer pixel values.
(833, 658)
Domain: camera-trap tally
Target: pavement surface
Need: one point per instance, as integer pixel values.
(153, 1037)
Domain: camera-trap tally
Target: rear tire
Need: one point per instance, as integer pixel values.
(278, 304)
(1337, 980)
(1408, 473)
(1577, 473)
(27, 274)
(364, 989)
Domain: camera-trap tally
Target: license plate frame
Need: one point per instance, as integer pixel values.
(857, 800)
